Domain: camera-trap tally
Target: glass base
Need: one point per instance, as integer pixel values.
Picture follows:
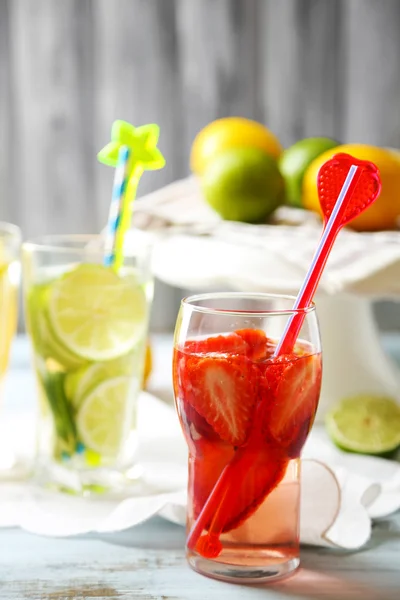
(89, 482)
(269, 568)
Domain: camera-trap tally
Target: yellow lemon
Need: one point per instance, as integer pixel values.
(385, 211)
(230, 132)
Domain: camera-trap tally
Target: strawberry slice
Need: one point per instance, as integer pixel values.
(296, 393)
(219, 344)
(205, 466)
(196, 425)
(252, 343)
(224, 392)
(193, 424)
(254, 473)
(258, 345)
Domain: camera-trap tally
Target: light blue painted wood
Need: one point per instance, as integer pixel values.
(148, 561)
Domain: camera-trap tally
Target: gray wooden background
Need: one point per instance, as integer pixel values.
(68, 68)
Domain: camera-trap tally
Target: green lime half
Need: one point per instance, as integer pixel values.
(97, 314)
(105, 416)
(365, 424)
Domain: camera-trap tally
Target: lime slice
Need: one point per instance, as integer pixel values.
(365, 424)
(97, 314)
(71, 384)
(44, 339)
(79, 383)
(57, 351)
(105, 418)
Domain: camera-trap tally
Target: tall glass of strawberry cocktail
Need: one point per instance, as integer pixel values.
(246, 414)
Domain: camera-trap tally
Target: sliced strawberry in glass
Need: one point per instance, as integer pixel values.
(224, 392)
(258, 472)
(254, 474)
(296, 394)
(196, 425)
(230, 344)
(273, 370)
(252, 343)
(258, 345)
(250, 477)
(205, 466)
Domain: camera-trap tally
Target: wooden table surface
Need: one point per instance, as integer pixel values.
(148, 562)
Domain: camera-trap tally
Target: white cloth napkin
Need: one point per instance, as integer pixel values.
(341, 494)
(195, 248)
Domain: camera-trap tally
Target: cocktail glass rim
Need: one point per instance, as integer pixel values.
(191, 301)
(91, 244)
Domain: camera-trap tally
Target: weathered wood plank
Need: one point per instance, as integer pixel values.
(280, 65)
(148, 562)
(322, 83)
(299, 67)
(8, 198)
(218, 62)
(372, 74)
(52, 99)
(137, 80)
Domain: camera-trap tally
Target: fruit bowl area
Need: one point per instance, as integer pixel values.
(245, 174)
(196, 250)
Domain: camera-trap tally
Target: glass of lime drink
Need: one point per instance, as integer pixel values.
(10, 242)
(88, 328)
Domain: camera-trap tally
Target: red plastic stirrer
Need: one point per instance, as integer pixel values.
(341, 179)
(346, 187)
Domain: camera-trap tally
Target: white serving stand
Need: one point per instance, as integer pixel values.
(354, 361)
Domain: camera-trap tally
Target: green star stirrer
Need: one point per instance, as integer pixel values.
(132, 151)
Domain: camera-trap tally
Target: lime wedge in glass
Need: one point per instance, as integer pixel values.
(80, 382)
(365, 424)
(96, 314)
(105, 416)
(46, 342)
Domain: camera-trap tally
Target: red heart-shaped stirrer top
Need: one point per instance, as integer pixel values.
(331, 178)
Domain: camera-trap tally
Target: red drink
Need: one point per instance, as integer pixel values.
(239, 405)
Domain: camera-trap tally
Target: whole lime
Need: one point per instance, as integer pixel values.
(294, 161)
(243, 184)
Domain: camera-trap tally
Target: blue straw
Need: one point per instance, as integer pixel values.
(116, 207)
